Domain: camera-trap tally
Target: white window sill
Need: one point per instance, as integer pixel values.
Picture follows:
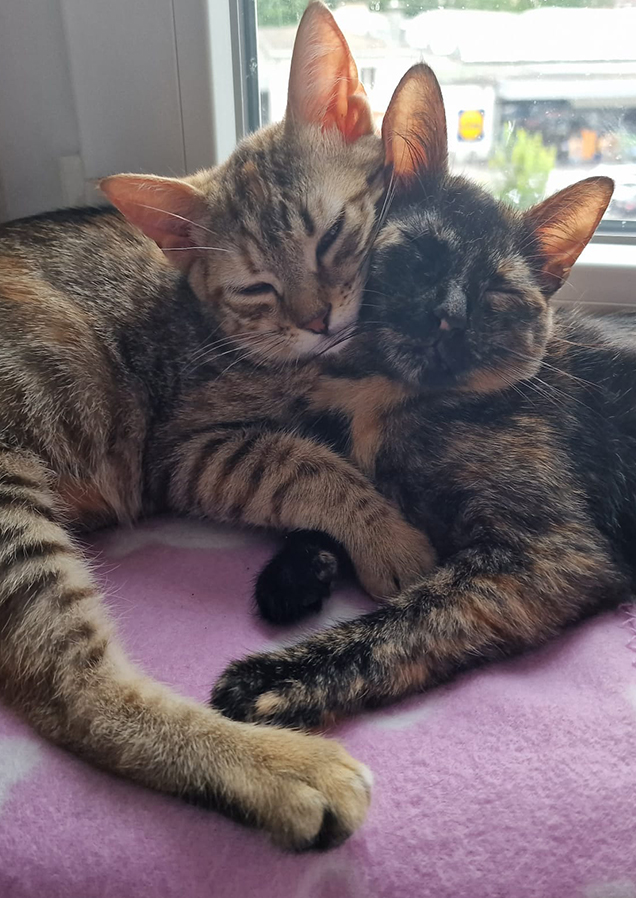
(604, 278)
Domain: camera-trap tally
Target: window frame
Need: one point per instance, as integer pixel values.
(223, 35)
(171, 98)
(244, 25)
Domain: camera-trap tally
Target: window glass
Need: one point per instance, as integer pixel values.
(538, 94)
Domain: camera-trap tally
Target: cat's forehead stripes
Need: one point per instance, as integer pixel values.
(254, 182)
(269, 206)
(429, 222)
(310, 227)
(286, 230)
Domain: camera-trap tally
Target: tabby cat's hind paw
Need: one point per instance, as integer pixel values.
(299, 578)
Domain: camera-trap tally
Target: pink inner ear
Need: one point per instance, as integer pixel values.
(348, 109)
(324, 88)
(165, 209)
(358, 120)
(565, 222)
(414, 126)
(168, 234)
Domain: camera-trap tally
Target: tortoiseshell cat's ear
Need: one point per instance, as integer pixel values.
(166, 209)
(564, 224)
(324, 88)
(414, 127)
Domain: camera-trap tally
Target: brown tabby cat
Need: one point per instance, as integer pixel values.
(504, 430)
(128, 387)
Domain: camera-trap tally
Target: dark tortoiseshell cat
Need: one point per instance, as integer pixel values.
(506, 432)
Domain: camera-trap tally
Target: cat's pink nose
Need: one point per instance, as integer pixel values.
(319, 324)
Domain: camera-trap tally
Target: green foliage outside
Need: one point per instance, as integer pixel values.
(626, 145)
(288, 12)
(523, 164)
(282, 12)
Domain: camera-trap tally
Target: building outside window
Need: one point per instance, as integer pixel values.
(537, 95)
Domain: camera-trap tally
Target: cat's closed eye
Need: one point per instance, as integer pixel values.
(256, 289)
(329, 237)
(503, 298)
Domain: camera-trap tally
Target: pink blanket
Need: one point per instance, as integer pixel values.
(517, 781)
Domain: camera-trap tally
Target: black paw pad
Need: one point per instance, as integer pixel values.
(298, 579)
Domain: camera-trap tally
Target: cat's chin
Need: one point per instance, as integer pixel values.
(312, 346)
(420, 369)
(428, 370)
(337, 346)
(410, 371)
(478, 380)
(330, 345)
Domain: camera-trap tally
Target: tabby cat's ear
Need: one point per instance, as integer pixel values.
(166, 209)
(324, 88)
(564, 223)
(414, 126)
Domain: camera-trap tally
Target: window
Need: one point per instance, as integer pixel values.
(553, 86)
(538, 94)
(367, 76)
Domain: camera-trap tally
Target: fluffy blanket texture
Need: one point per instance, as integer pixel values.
(516, 781)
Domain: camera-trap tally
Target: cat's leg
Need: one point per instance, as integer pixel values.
(299, 577)
(287, 482)
(61, 667)
(486, 603)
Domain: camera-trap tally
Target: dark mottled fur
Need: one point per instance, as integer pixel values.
(512, 444)
(300, 577)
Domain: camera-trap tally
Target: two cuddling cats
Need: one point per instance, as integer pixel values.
(248, 381)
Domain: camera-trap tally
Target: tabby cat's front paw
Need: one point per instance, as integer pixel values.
(268, 689)
(395, 557)
(306, 791)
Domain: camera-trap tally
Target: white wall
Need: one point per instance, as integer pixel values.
(123, 61)
(38, 124)
(92, 87)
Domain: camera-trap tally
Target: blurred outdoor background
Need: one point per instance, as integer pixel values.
(538, 94)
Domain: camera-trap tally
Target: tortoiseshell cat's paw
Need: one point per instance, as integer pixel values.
(268, 689)
(299, 578)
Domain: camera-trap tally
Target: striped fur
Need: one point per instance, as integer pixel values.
(100, 424)
(129, 387)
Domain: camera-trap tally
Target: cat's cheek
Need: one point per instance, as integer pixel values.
(346, 310)
(348, 315)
